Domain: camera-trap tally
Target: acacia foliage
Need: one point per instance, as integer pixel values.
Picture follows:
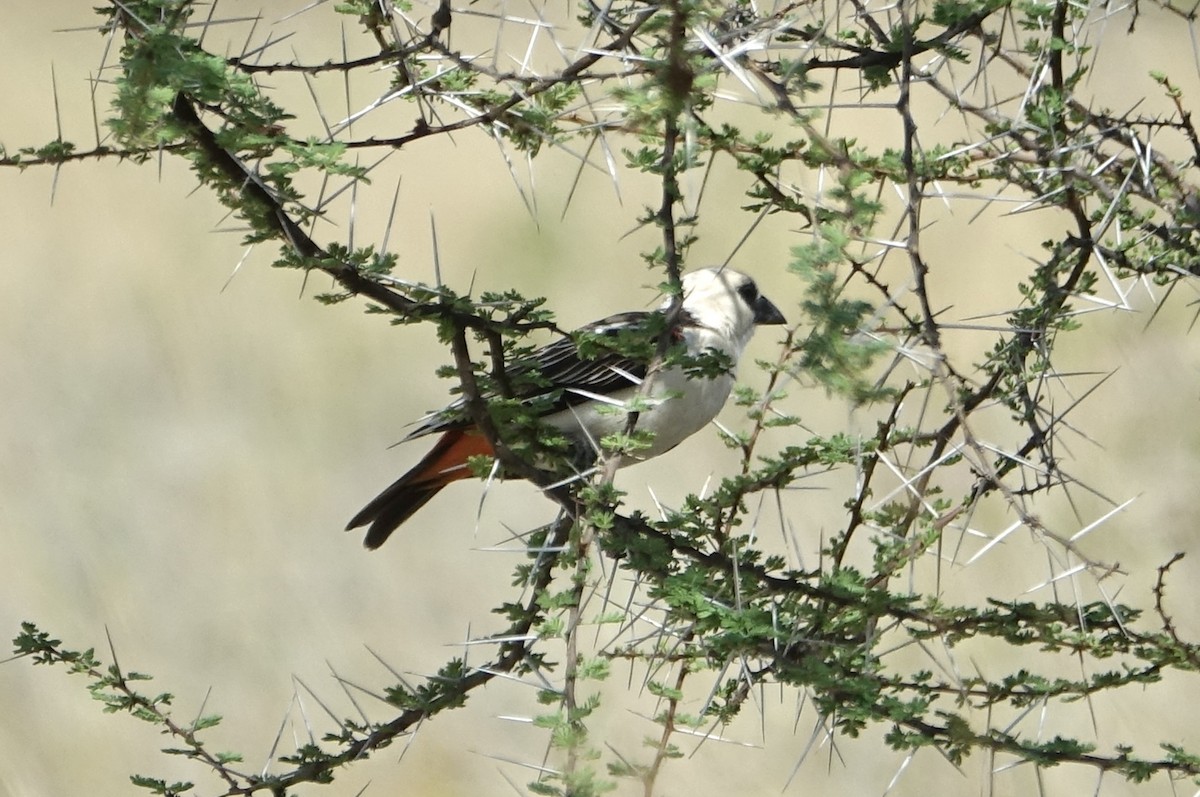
(757, 91)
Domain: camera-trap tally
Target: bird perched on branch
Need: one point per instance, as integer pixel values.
(582, 396)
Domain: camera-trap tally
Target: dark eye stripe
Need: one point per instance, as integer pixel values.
(748, 291)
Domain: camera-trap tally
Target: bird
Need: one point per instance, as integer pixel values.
(571, 389)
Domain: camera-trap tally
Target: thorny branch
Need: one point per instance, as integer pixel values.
(712, 596)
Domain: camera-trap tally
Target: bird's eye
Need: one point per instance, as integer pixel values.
(748, 291)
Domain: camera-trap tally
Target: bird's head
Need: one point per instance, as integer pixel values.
(728, 303)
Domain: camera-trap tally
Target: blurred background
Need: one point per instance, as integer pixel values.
(185, 432)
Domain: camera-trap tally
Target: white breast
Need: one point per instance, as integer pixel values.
(680, 406)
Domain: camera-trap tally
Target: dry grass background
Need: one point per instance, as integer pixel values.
(181, 450)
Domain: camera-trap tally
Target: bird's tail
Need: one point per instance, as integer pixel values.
(445, 463)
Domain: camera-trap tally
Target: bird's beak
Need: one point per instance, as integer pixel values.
(767, 313)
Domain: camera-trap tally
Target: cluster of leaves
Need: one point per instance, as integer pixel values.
(727, 609)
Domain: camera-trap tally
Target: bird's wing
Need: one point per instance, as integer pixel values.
(567, 377)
